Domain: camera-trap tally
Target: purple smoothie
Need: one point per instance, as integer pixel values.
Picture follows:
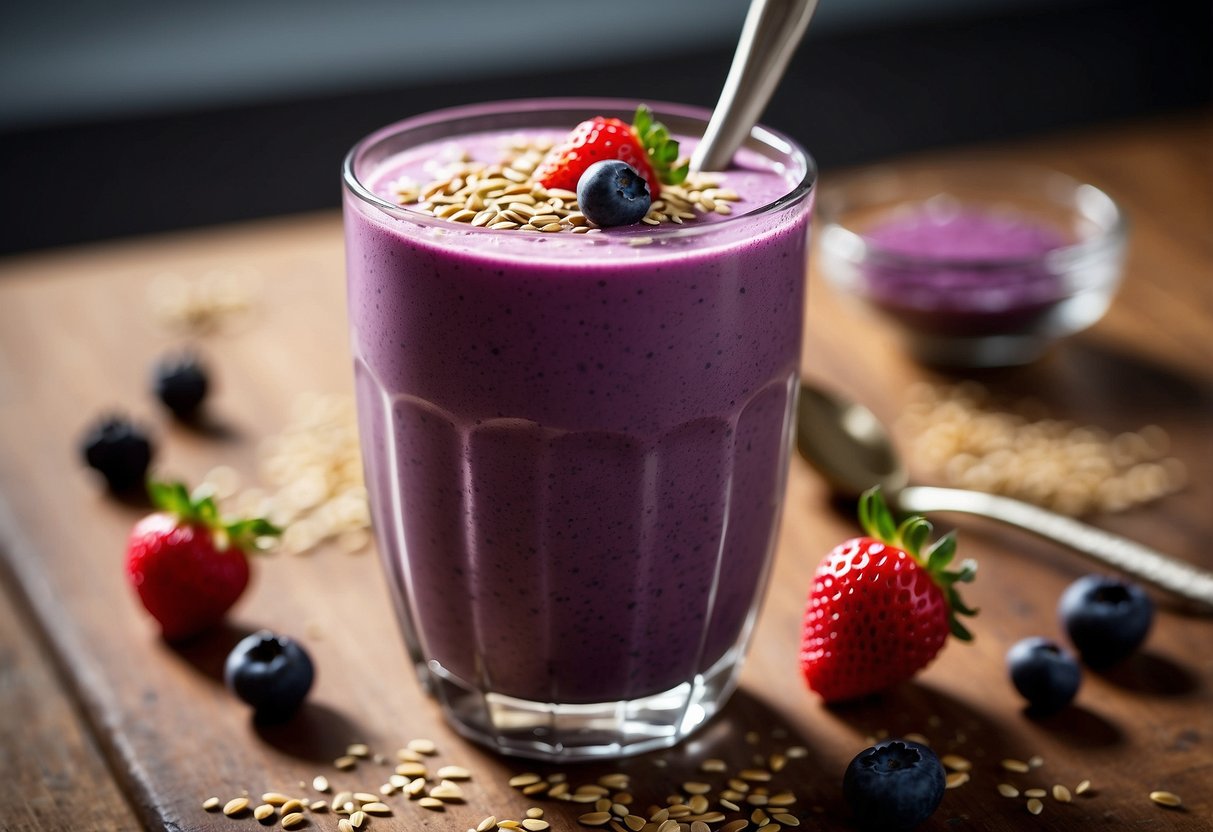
(576, 445)
(963, 270)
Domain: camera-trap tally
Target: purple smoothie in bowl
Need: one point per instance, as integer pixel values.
(575, 444)
(973, 265)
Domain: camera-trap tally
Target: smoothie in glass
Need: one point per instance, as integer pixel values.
(576, 443)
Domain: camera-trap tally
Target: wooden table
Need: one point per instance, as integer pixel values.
(104, 726)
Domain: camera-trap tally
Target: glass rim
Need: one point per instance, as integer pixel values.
(762, 135)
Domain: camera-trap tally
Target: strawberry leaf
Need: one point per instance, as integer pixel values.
(941, 553)
(201, 509)
(659, 147)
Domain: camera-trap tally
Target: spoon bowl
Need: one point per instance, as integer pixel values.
(848, 446)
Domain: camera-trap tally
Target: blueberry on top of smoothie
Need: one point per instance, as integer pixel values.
(612, 193)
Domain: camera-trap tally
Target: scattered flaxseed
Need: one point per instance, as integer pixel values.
(375, 807)
(344, 825)
(1018, 766)
(713, 764)
(263, 811)
(1035, 806)
(955, 779)
(962, 436)
(431, 803)
(453, 773)
(274, 798)
(412, 770)
(345, 763)
(595, 819)
(1061, 794)
(1083, 788)
(1007, 790)
(318, 806)
(797, 751)
(786, 819)
(387, 790)
(1168, 799)
(422, 746)
(534, 812)
(358, 819)
(955, 762)
(210, 804)
(502, 196)
(205, 303)
(447, 790)
(520, 780)
(293, 820)
(365, 797)
(235, 806)
(1036, 761)
(535, 824)
(486, 824)
(1038, 793)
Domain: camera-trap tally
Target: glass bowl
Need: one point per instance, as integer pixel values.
(975, 264)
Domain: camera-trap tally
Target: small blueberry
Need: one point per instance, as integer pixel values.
(894, 785)
(1044, 674)
(612, 193)
(1106, 618)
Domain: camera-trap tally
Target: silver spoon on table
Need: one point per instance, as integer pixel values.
(771, 33)
(850, 448)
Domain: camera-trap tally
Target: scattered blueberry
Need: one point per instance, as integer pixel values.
(613, 193)
(1044, 674)
(181, 382)
(1106, 618)
(895, 784)
(272, 673)
(118, 449)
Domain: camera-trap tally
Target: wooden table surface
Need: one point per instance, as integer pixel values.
(104, 726)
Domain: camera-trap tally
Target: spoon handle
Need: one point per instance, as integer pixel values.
(1132, 558)
(772, 30)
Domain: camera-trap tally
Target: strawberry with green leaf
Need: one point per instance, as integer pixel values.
(187, 564)
(881, 606)
(644, 144)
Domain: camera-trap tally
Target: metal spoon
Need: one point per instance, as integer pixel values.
(772, 30)
(848, 446)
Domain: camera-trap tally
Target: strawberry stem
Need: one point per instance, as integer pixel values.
(877, 521)
(200, 509)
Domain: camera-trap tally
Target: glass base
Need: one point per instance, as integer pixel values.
(599, 730)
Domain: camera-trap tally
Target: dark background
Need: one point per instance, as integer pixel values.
(123, 142)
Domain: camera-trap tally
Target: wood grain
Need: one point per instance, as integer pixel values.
(76, 339)
(52, 775)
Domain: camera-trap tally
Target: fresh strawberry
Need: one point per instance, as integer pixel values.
(644, 144)
(188, 565)
(880, 608)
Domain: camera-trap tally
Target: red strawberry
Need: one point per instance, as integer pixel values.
(879, 610)
(644, 144)
(187, 564)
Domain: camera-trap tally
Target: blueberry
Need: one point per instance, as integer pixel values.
(270, 672)
(1106, 618)
(1044, 674)
(120, 450)
(895, 784)
(613, 193)
(181, 382)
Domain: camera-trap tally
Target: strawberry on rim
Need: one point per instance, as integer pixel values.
(881, 607)
(644, 144)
